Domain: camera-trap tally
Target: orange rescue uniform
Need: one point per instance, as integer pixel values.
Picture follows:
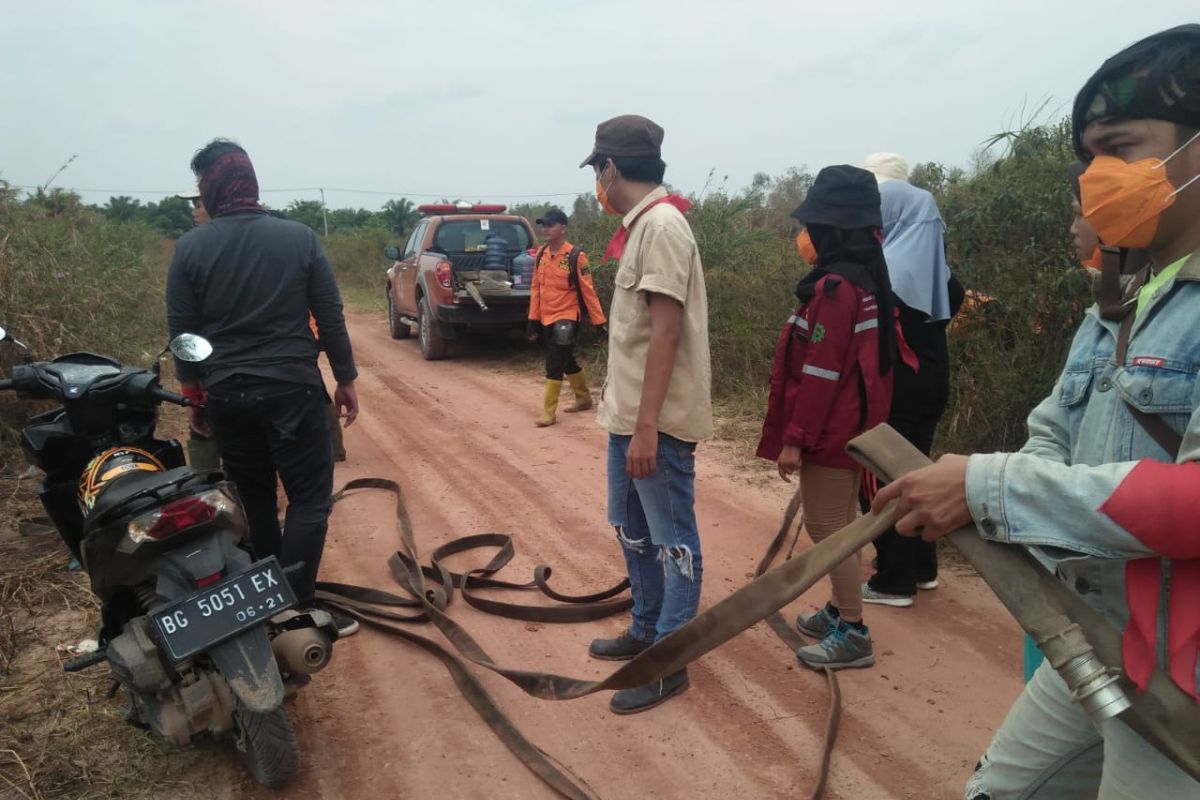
(553, 299)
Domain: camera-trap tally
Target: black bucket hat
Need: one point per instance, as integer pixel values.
(842, 196)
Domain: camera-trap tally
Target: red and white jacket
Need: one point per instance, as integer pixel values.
(825, 385)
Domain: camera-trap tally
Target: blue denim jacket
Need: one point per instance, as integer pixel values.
(1083, 441)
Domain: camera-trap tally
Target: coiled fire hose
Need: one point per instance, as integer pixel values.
(758, 600)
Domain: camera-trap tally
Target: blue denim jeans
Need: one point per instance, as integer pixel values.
(655, 520)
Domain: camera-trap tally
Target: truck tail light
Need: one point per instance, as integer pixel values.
(442, 271)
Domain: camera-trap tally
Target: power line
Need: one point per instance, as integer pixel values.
(327, 189)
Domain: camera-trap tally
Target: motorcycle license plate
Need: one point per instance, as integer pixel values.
(218, 612)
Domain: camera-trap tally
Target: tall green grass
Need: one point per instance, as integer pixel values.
(69, 280)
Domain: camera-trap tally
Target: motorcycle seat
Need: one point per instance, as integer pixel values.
(131, 491)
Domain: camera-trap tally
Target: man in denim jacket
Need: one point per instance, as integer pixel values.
(1093, 491)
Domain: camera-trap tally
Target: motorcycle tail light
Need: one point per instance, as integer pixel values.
(181, 514)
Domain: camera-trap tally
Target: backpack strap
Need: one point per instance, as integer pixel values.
(1153, 424)
(573, 280)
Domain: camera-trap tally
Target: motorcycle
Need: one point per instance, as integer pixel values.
(202, 638)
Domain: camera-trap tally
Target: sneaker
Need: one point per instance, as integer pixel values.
(622, 648)
(346, 624)
(928, 586)
(869, 595)
(644, 698)
(818, 623)
(844, 646)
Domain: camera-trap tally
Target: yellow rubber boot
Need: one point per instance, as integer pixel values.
(549, 403)
(583, 398)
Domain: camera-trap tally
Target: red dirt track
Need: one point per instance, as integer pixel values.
(385, 719)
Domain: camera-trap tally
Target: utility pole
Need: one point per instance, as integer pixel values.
(324, 215)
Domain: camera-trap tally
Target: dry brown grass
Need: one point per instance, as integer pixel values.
(60, 737)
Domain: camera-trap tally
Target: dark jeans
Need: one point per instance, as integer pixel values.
(916, 410)
(266, 429)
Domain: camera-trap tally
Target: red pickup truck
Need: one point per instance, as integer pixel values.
(456, 272)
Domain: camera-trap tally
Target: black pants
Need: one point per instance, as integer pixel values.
(266, 429)
(560, 350)
(560, 361)
(917, 408)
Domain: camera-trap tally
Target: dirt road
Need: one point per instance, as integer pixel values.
(385, 720)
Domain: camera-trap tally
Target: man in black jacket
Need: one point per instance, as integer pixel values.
(247, 281)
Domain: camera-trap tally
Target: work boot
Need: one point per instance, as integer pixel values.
(644, 698)
(844, 646)
(549, 403)
(622, 648)
(818, 623)
(583, 398)
(335, 433)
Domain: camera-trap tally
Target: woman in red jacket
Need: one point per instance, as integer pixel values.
(831, 381)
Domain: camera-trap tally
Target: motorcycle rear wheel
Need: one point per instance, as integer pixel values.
(268, 746)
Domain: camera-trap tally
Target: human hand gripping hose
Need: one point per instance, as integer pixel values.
(758, 600)
(1078, 642)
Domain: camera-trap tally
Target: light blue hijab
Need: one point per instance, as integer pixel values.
(914, 247)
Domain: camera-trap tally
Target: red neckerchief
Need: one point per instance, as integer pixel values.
(616, 245)
(1158, 503)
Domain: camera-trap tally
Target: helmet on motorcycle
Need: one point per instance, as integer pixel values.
(108, 466)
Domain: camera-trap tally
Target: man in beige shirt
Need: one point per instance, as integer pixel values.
(656, 402)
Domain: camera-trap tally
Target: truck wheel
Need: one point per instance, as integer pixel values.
(268, 746)
(397, 326)
(433, 346)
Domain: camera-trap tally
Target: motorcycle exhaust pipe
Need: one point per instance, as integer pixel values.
(303, 651)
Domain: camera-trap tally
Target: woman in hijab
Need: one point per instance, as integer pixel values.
(831, 381)
(927, 297)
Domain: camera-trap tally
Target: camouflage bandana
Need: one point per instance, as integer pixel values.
(1156, 78)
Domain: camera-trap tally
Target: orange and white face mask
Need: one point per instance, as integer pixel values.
(602, 195)
(807, 249)
(1123, 201)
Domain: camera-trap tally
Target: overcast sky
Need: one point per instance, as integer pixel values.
(497, 100)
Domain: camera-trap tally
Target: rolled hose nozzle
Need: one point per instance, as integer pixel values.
(1091, 682)
(1095, 687)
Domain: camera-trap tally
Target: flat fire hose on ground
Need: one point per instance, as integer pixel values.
(1082, 645)
(758, 600)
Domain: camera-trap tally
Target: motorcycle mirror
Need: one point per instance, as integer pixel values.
(4, 337)
(190, 347)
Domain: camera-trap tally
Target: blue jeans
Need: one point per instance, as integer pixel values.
(655, 520)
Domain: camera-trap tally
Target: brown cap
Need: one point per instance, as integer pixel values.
(627, 135)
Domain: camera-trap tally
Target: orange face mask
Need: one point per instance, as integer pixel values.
(805, 245)
(602, 196)
(1093, 261)
(1124, 200)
